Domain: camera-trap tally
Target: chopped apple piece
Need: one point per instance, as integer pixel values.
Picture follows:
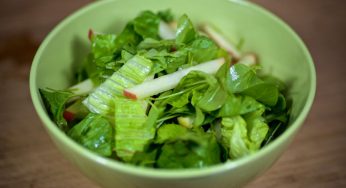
(68, 116)
(90, 34)
(221, 41)
(83, 88)
(173, 25)
(166, 31)
(169, 81)
(249, 59)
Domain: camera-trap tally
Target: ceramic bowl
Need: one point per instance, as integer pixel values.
(281, 51)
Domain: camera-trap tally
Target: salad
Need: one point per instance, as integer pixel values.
(166, 94)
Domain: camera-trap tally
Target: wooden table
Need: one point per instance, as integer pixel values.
(316, 158)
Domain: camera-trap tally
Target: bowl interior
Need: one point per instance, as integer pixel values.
(281, 52)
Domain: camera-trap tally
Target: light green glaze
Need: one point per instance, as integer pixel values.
(280, 50)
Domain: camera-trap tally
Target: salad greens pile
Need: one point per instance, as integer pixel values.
(165, 94)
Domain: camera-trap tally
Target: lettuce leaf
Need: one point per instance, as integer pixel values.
(95, 133)
(244, 80)
(167, 62)
(211, 99)
(186, 31)
(166, 15)
(239, 105)
(257, 128)
(185, 148)
(199, 88)
(146, 24)
(128, 39)
(135, 71)
(103, 45)
(146, 158)
(169, 132)
(55, 102)
(243, 136)
(106, 49)
(149, 43)
(169, 56)
(170, 113)
(234, 136)
(203, 49)
(131, 133)
(266, 93)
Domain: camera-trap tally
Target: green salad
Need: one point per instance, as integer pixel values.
(164, 93)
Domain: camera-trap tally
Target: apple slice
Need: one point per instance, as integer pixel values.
(169, 81)
(166, 31)
(173, 24)
(68, 116)
(249, 59)
(83, 87)
(90, 34)
(221, 40)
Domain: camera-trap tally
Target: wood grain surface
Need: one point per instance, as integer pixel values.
(316, 158)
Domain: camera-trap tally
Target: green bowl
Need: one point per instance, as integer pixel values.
(281, 51)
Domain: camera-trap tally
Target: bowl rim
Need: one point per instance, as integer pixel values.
(164, 173)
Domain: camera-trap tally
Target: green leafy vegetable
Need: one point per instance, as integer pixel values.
(170, 132)
(187, 149)
(213, 98)
(264, 92)
(185, 31)
(174, 112)
(132, 134)
(184, 90)
(146, 158)
(105, 48)
(243, 136)
(166, 15)
(103, 45)
(202, 89)
(200, 117)
(150, 43)
(239, 105)
(146, 24)
(95, 133)
(244, 80)
(128, 39)
(275, 81)
(135, 71)
(55, 102)
(203, 49)
(234, 137)
(257, 128)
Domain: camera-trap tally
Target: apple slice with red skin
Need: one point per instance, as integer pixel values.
(68, 116)
(90, 34)
(170, 81)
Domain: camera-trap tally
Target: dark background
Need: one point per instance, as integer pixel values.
(316, 158)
